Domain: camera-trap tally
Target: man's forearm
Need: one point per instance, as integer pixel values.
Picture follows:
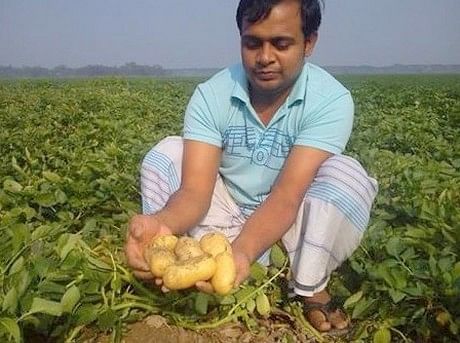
(266, 226)
(184, 210)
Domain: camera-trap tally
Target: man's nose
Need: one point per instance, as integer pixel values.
(265, 55)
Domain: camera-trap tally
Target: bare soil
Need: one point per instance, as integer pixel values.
(280, 327)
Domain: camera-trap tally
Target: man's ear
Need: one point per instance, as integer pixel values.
(310, 43)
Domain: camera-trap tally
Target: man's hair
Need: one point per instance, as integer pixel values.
(255, 10)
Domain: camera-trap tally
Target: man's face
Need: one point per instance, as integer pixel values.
(273, 50)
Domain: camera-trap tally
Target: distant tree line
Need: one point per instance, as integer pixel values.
(128, 69)
(133, 69)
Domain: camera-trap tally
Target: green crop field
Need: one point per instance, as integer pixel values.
(70, 152)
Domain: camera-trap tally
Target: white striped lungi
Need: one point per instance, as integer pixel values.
(329, 225)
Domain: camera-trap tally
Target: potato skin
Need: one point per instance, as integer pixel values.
(225, 274)
(187, 248)
(160, 260)
(215, 243)
(158, 253)
(165, 241)
(185, 274)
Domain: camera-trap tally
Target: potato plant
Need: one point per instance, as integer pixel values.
(69, 166)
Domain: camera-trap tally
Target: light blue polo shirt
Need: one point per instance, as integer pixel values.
(317, 113)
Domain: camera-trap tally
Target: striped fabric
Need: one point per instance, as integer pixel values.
(329, 226)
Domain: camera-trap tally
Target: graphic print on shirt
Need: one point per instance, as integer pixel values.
(270, 149)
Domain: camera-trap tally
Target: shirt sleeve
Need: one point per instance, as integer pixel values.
(328, 127)
(200, 122)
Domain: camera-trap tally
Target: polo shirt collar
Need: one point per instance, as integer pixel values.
(298, 92)
(240, 90)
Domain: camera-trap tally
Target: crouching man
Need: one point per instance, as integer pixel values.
(260, 160)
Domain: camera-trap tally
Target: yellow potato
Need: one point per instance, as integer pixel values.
(182, 262)
(167, 242)
(225, 274)
(160, 260)
(187, 248)
(187, 273)
(215, 243)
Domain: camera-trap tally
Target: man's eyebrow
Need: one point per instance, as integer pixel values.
(282, 38)
(271, 39)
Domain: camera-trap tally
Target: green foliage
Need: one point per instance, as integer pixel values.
(69, 165)
(407, 136)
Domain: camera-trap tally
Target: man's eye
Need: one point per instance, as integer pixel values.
(282, 45)
(251, 43)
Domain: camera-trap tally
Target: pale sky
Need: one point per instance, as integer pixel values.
(203, 33)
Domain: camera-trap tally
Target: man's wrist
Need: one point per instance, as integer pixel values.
(240, 247)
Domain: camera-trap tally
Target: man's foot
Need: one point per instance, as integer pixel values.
(322, 314)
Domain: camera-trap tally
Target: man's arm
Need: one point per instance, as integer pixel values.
(279, 211)
(187, 207)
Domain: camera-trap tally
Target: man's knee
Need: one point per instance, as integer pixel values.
(347, 174)
(164, 155)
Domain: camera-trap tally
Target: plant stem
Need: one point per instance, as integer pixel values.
(307, 326)
(137, 305)
(230, 315)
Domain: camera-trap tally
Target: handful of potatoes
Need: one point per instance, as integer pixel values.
(182, 262)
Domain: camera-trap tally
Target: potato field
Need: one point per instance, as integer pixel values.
(70, 152)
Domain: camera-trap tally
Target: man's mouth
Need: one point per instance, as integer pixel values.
(266, 75)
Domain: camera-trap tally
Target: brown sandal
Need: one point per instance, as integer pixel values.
(331, 312)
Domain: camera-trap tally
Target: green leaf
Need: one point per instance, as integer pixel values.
(42, 265)
(50, 176)
(251, 305)
(17, 266)
(383, 335)
(258, 272)
(10, 302)
(47, 286)
(456, 271)
(60, 197)
(353, 299)
(11, 327)
(277, 256)
(12, 186)
(244, 292)
(263, 304)
(22, 281)
(70, 299)
(46, 199)
(396, 295)
(107, 320)
(40, 305)
(394, 246)
(98, 263)
(361, 308)
(66, 243)
(86, 314)
(201, 303)
(227, 300)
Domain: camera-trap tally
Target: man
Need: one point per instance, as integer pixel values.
(260, 160)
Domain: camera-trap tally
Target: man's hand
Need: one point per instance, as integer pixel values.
(142, 229)
(243, 267)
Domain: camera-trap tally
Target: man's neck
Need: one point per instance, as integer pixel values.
(266, 105)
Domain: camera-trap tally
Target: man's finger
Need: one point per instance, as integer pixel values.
(136, 231)
(135, 259)
(164, 289)
(204, 287)
(238, 280)
(158, 281)
(143, 275)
